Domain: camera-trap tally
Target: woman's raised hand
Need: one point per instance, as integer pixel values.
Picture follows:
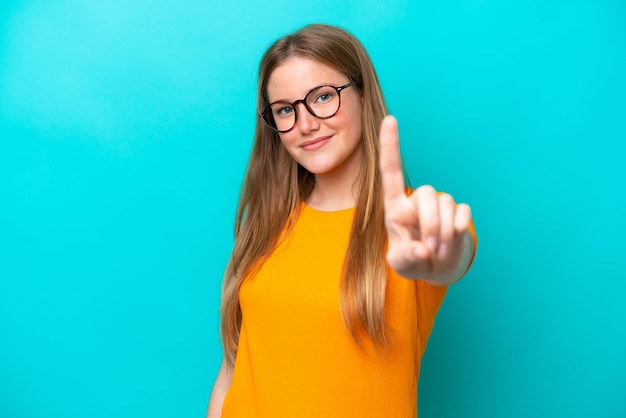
(427, 231)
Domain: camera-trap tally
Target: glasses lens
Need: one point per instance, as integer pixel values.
(323, 101)
(282, 116)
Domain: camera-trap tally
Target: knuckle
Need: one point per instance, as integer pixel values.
(446, 199)
(431, 228)
(426, 189)
(464, 207)
(446, 232)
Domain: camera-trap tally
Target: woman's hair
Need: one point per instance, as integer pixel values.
(275, 185)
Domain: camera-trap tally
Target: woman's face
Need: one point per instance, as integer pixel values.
(322, 146)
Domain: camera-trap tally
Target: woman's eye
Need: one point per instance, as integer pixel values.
(283, 111)
(324, 97)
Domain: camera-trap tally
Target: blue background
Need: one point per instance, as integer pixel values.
(124, 133)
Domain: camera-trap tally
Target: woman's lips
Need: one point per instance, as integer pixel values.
(316, 143)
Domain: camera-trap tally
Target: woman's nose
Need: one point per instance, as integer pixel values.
(306, 121)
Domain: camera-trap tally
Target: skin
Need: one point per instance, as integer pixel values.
(427, 231)
(334, 161)
(222, 383)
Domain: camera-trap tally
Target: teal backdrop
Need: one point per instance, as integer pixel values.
(125, 128)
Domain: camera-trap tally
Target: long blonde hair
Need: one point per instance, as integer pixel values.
(267, 203)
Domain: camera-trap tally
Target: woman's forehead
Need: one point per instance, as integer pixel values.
(296, 76)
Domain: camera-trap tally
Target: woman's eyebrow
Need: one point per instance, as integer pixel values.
(307, 92)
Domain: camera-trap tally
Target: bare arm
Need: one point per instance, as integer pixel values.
(222, 383)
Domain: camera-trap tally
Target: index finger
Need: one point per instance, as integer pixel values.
(390, 162)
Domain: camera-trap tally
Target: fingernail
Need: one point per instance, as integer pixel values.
(443, 250)
(431, 243)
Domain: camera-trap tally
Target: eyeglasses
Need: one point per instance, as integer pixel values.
(322, 102)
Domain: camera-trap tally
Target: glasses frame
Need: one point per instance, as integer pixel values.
(267, 117)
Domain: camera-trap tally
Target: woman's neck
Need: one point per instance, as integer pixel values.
(337, 189)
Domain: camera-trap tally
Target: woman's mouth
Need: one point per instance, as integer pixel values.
(316, 143)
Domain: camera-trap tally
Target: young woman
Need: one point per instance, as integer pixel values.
(338, 269)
